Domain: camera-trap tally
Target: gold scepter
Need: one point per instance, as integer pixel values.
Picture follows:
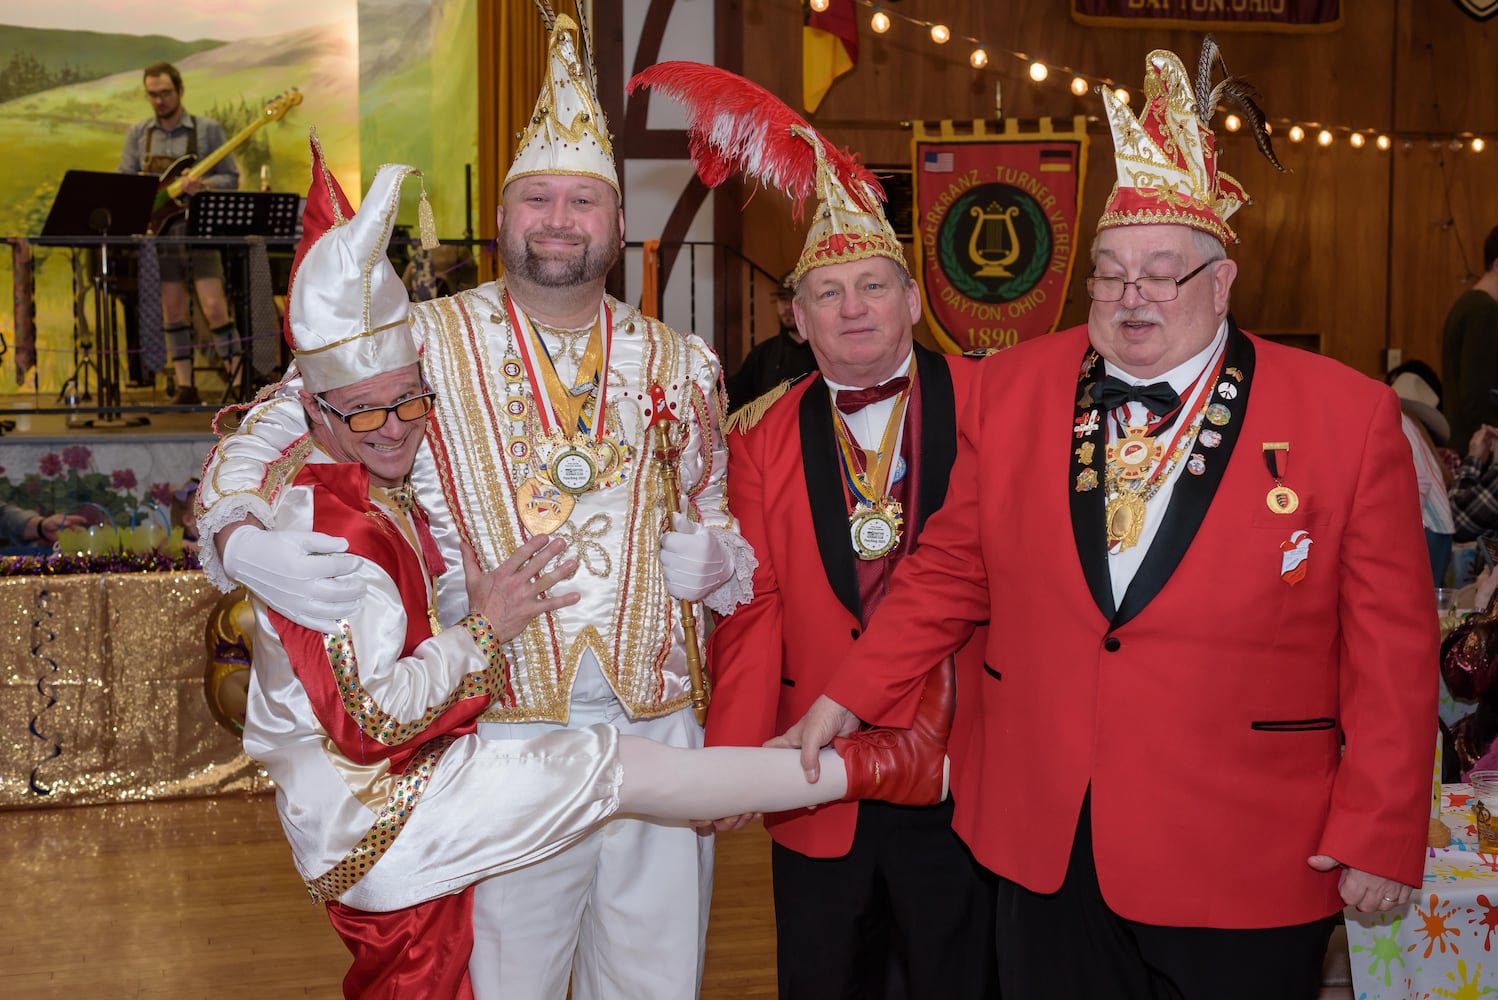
(667, 452)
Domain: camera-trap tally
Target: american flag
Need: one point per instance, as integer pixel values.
(936, 163)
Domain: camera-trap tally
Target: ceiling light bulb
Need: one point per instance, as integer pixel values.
(1357, 140)
(820, 5)
(940, 33)
(1477, 144)
(879, 22)
(1038, 71)
(1122, 93)
(979, 58)
(1232, 123)
(1297, 133)
(1323, 138)
(1382, 142)
(1078, 86)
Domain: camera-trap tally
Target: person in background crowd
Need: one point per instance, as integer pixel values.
(1469, 350)
(1210, 617)
(152, 146)
(783, 358)
(1474, 490)
(571, 379)
(1425, 428)
(20, 526)
(833, 479)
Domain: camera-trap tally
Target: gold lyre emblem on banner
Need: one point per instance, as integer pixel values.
(994, 244)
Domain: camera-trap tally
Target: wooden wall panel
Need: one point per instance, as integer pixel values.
(1318, 245)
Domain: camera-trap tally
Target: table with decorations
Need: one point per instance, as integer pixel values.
(1443, 943)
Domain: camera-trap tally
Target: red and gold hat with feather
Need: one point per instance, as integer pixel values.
(736, 125)
(1167, 157)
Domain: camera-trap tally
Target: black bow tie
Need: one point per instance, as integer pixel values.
(1158, 397)
(852, 400)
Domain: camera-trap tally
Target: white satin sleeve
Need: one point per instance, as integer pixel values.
(402, 687)
(240, 475)
(704, 475)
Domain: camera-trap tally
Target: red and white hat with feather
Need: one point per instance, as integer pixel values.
(736, 125)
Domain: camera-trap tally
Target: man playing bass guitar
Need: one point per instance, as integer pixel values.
(164, 145)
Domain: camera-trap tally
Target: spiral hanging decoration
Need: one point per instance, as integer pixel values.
(41, 635)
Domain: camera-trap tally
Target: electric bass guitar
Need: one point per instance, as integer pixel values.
(169, 199)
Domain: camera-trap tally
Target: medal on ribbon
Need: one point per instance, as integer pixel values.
(572, 451)
(875, 522)
(1281, 499)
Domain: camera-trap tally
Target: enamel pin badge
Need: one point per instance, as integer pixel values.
(1295, 556)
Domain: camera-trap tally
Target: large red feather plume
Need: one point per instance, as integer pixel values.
(737, 125)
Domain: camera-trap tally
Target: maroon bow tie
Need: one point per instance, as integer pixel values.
(852, 400)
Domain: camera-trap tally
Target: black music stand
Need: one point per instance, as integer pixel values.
(238, 214)
(126, 197)
(93, 203)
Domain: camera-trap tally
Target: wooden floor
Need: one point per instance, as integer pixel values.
(198, 899)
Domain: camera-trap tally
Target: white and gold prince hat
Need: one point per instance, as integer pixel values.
(347, 308)
(567, 133)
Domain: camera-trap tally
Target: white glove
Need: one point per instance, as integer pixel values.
(304, 575)
(693, 561)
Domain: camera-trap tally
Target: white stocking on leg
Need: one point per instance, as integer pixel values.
(672, 783)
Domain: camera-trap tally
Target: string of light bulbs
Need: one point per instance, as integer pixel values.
(881, 20)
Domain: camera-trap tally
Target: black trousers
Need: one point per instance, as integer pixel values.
(1069, 945)
(907, 914)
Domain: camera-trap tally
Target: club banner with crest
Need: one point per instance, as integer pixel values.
(996, 228)
(1211, 15)
(1480, 10)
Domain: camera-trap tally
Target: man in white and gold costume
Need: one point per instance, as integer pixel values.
(545, 389)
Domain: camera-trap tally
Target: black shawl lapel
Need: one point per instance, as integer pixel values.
(1089, 439)
(938, 442)
(824, 491)
(1193, 494)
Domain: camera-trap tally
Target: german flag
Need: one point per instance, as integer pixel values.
(1060, 160)
(829, 48)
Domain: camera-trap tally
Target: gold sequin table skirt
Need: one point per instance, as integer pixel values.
(103, 697)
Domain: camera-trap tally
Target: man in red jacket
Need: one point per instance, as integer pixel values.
(833, 479)
(1200, 560)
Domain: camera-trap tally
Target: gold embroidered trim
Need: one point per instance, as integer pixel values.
(745, 417)
(373, 721)
(278, 472)
(381, 836)
(484, 638)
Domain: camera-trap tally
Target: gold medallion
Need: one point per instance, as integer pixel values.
(573, 470)
(875, 530)
(1134, 455)
(1124, 515)
(543, 507)
(1282, 499)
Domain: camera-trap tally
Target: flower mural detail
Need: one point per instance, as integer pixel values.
(50, 464)
(122, 479)
(77, 457)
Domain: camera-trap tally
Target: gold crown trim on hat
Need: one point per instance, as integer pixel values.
(844, 229)
(1167, 156)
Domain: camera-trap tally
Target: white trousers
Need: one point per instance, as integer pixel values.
(622, 912)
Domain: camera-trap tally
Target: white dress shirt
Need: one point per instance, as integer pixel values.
(1122, 565)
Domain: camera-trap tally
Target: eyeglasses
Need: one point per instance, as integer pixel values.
(372, 418)
(1149, 287)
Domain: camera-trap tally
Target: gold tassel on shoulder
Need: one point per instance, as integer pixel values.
(745, 417)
